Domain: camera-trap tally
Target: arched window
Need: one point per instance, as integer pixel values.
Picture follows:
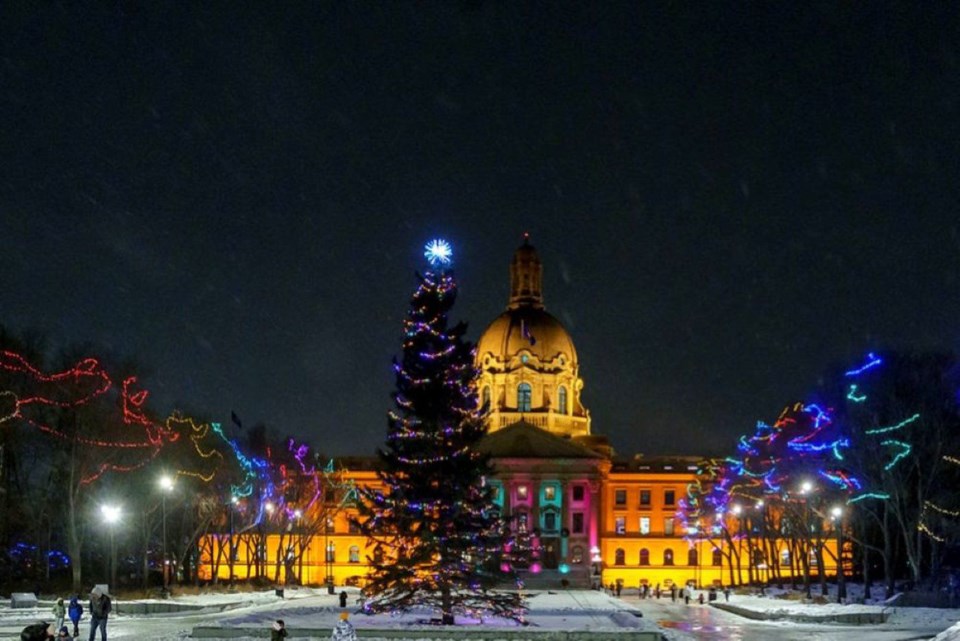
(717, 557)
(524, 393)
(485, 397)
(354, 554)
(562, 400)
(785, 557)
(576, 555)
(668, 557)
(692, 557)
(619, 557)
(644, 556)
(331, 551)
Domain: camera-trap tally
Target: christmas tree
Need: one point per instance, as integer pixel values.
(434, 525)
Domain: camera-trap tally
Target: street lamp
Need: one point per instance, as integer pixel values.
(764, 563)
(836, 515)
(233, 502)
(805, 489)
(111, 516)
(166, 486)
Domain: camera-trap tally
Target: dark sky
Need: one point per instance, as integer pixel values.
(727, 197)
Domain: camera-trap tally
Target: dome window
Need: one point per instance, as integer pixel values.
(524, 358)
(524, 393)
(562, 400)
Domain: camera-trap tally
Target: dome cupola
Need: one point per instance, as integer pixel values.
(528, 364)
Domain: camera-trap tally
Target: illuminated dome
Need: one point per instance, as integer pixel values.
(528, 364)
(527, 329)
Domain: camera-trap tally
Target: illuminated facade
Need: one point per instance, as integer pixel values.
(597, 519)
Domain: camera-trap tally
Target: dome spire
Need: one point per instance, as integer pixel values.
(526, 277)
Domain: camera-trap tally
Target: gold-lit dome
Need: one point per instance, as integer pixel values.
(528, 364)
(527, 329)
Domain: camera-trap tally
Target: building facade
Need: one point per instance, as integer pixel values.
(596, 519)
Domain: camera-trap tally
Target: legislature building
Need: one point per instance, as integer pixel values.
(596, 518)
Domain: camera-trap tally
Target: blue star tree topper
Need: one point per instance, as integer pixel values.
(438, 252)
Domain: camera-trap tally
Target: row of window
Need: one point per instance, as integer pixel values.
(549, 492)
(619, 557)
(525, 396)
(620, 525)
(620, 498)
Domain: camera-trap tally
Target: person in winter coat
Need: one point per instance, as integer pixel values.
(278, 631)
(42, 631)
(59, 614)
(100, 606)
(64, 634)
(344, 629)
(75, 610)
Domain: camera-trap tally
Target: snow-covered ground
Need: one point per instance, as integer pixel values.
(574, 610)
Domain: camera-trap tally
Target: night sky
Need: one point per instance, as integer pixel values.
(727, 198)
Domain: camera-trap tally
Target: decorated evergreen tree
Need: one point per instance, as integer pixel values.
(433, 524)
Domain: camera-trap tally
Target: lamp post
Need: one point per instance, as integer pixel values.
(837, 516)
(166, 486)
(233, 502)
(111, 516)
(805, 489)
(764, 567)
(737, 510)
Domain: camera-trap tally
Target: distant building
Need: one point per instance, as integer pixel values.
(596, 519)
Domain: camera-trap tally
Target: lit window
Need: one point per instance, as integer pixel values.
(329, 526)
(522, 492)
(644, 525)
(621, 525)
(562, 400)
(522, 522)
(619, 557)
(331, 552)
(524, 392)
(620, 498)
(550, 492)
(717, 559)
(785, 557)
(668, 557)
(354, 554)
(644, 556)
(668, 526)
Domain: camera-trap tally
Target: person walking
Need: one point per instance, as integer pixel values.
(59, 614)
(278, 631)
(343, 598)
(75, 611)
(344, 629)
(100, 606)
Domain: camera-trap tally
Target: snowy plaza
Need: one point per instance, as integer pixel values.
(567, 615)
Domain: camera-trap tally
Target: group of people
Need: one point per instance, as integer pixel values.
(343, 631)
(100, 607)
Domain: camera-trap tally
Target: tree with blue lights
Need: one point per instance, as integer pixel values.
(433, 523)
